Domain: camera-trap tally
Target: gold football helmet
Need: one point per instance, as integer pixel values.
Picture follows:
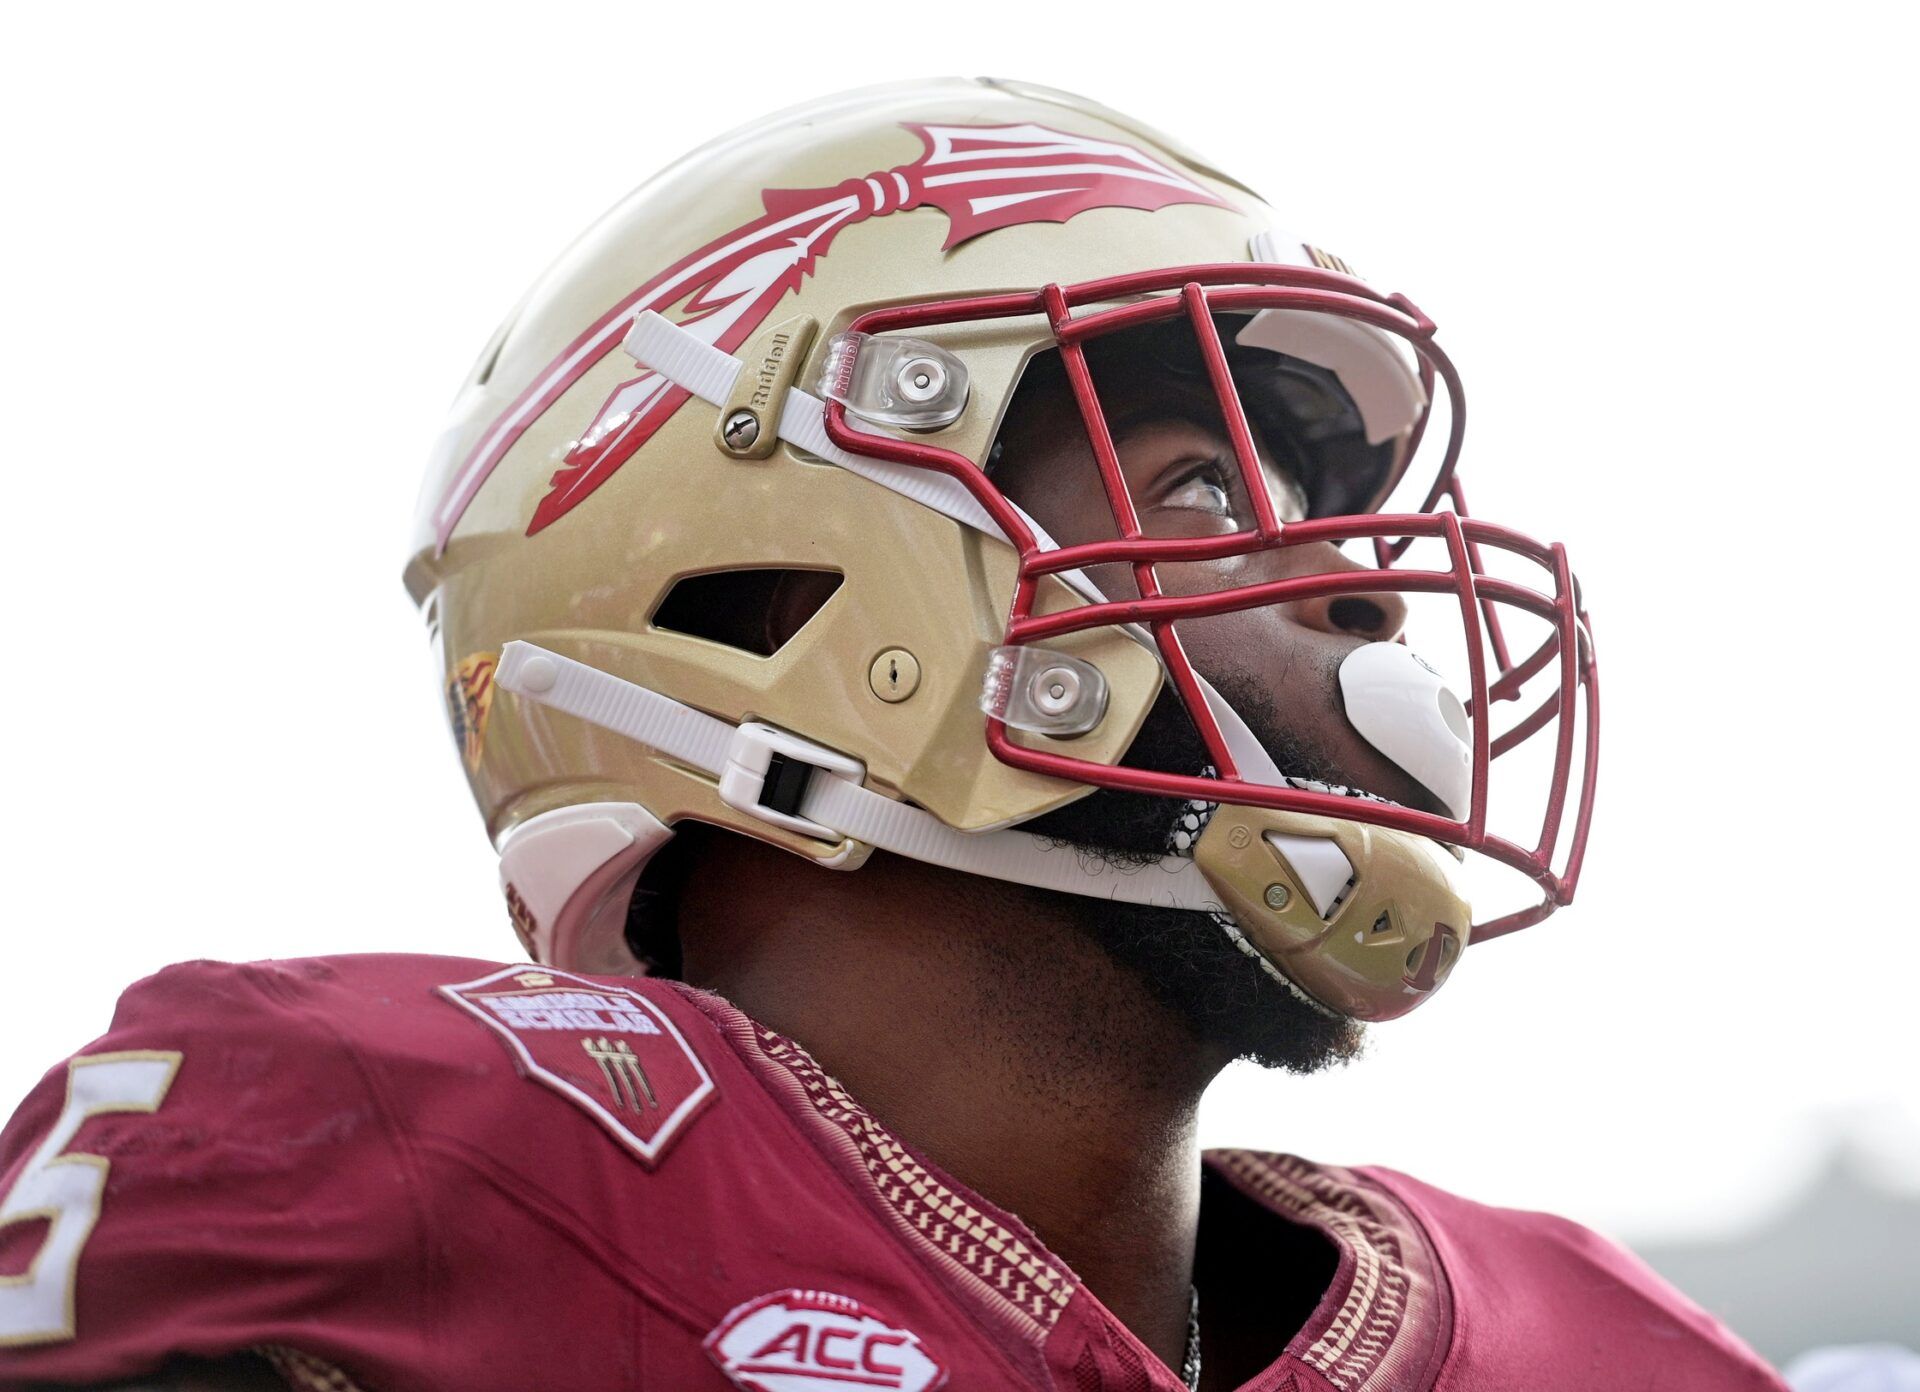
(718, 532)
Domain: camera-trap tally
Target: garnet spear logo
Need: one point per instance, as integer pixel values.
(982, 177)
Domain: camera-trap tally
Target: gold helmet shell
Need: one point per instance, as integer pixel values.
(583, 501)
(1371, 937)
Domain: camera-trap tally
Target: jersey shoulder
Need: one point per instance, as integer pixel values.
(318, 1061)
(246, 1138)
(197, 1148)
(307, 1154)
(1542, 1299)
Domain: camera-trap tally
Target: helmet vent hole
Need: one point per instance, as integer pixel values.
(757, 610)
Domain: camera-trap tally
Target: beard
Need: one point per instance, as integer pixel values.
(1187, 959)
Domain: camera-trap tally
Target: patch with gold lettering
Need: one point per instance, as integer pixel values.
(469, 699)
(605, 1048)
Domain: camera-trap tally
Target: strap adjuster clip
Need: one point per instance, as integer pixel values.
(768, 772)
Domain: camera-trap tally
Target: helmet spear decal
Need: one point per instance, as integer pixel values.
(981, 177)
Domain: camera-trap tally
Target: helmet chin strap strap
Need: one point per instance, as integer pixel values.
(683, 358)
(688, 361)
(830, 801)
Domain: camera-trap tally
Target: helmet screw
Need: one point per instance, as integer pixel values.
(741, 430)
(1277, 896)
(1056, 690)
(921, 379)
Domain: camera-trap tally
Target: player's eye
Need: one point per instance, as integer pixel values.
(1200, 486)
(1212, 487)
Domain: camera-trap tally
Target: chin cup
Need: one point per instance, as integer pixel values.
(1365, 920)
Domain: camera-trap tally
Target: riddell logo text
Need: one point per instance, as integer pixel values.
(792, 1340)
(769, 370)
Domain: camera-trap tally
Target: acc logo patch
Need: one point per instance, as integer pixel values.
(604, 1048)
(808, 1341)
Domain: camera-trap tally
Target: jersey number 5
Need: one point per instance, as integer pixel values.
(65, 1190)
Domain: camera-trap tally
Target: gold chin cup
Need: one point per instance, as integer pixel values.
(1371, 949)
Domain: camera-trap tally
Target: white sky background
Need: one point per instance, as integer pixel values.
(250, 252)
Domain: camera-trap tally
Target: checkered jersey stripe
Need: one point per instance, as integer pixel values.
(1356, 1344)
(305, 1374)
(1009, 1266)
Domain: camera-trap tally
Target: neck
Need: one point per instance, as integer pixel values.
(994, 1036)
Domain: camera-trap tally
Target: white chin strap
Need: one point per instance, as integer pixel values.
(834, 806)
(831, 803)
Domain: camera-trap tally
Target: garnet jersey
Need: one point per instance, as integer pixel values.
(406, 1174)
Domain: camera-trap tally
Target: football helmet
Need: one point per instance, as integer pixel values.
(717, 532)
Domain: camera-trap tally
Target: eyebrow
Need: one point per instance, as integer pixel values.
(1193, 413)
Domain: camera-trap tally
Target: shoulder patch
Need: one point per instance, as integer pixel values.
(605, 1048)
(803, 1340)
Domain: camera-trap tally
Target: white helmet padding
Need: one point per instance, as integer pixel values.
(1384, 388)
(572, 873)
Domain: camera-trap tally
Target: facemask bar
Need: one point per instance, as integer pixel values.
(1198, 293)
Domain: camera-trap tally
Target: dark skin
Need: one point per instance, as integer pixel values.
(981, 1021)
(984, 1022)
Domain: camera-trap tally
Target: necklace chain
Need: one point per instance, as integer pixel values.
(1190, 1365)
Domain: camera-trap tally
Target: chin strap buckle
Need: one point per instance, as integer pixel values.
(769, 773)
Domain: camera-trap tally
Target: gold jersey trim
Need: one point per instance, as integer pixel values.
(1383, 1333)
(304, 1373)
(1011, 1268)
(1389, 1326)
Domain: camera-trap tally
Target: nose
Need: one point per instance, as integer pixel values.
(1376, 617)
